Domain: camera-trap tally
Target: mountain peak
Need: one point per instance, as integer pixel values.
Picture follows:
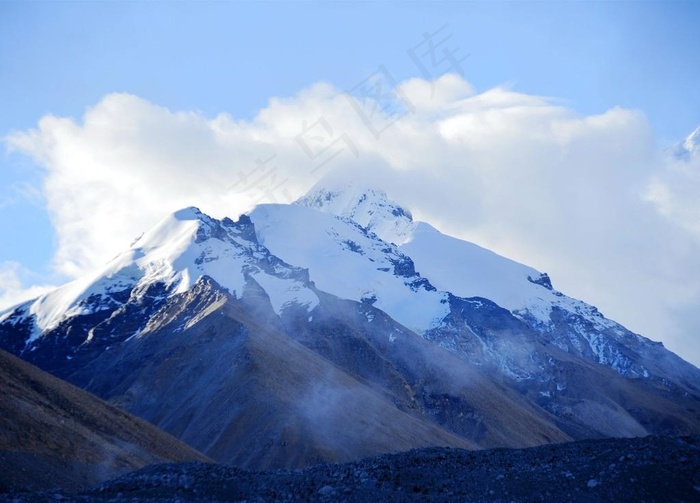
(367, 206)
(689, 147)
(189, 213)
(187, 224)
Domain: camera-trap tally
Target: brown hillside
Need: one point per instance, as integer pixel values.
(53, 434)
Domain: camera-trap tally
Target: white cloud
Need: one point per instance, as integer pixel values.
(12, 290)
(521, 174)
(675, 191)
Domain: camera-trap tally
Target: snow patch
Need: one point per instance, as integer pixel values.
(284, 293)
(369, 207)
(468, 270)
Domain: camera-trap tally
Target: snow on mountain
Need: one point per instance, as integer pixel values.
(355, 244)
(339, 324)
(465, 270)
(343, 235)
(468, 270)
(347, 261)
(453, 265)
(688, 147)
(450, 264)
(368, 207)
(178, 251)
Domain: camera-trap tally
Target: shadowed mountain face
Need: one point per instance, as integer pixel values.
(338, 328)
(53, 434)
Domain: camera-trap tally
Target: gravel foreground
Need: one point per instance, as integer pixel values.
(640, 469)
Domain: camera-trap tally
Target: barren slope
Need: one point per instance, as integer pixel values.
(53, 434)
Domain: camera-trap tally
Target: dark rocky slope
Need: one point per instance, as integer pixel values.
(53, 434)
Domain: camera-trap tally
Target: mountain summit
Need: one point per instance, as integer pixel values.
(371, 208)
(338, 327)
(689, 147)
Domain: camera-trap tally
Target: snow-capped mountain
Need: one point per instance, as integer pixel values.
(689, 147)
(288, 335)
(163, 262)
(175, 254)
(448, 267)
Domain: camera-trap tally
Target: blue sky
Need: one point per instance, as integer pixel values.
(60, 58)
